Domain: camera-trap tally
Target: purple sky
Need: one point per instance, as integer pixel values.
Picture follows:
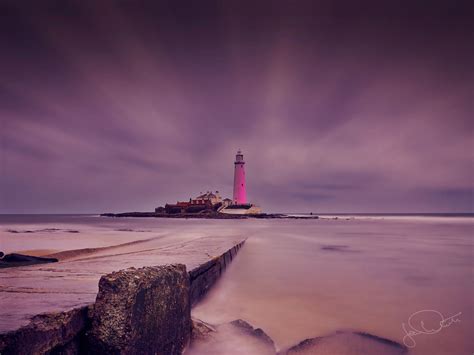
(342, 106)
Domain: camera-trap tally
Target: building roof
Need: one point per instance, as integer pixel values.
(207, 195)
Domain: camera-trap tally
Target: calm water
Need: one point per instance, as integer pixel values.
(305, 278)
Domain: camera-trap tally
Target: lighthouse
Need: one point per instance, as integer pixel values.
(239, 203)
(240, 195)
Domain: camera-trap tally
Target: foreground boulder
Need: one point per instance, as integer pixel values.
(142, 311)
(347, 343)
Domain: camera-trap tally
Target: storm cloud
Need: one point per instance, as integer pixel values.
(338, 106)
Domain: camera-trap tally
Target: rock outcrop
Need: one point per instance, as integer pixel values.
(254, 332)
(47, 333)
(240, 338)
(234, 338)
(201, 330)
(160, 212)
(347, 343)
(12, 260)
(142, 311)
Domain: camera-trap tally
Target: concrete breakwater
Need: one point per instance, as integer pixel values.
(143, 310)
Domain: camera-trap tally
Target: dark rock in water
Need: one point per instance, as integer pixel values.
(18, 258)
(235, 338)
(382, 340)
(347, 343)
(11, 260)
(340, 248)
(307, 346)
(201, 330)
(142, 311)
(49, 230)
(247, 328)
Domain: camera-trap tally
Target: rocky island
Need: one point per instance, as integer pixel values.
(206, 214)
(211, 205)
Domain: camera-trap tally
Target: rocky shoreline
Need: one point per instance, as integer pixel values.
(206, 215)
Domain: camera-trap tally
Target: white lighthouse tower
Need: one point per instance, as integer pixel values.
(240, 194)
(239, 203)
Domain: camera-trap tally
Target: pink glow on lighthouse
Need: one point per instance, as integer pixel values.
(240, 195)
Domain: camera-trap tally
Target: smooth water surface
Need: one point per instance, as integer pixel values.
(298, 279)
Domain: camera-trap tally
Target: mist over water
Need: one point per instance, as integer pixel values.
(300, 279)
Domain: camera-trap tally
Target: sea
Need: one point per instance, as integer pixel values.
(388, 275)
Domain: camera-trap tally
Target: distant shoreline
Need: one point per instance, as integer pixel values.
(207, 215)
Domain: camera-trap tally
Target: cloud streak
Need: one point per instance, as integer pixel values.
(124, 106)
